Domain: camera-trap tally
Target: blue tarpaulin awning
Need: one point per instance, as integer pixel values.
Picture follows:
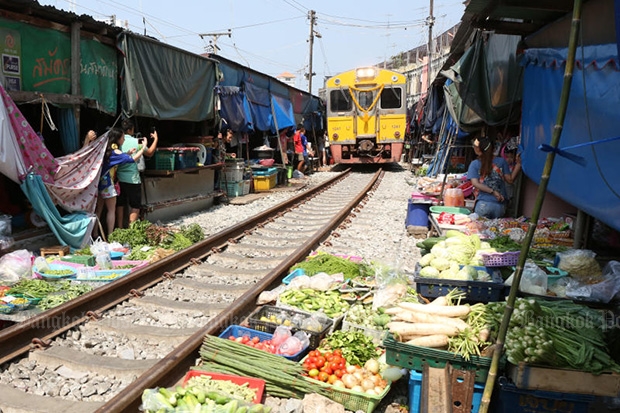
(592, 115)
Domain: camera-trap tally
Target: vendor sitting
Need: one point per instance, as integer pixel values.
(488, 175)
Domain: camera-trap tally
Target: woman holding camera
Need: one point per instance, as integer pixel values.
(129, 174)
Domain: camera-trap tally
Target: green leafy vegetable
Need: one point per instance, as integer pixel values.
(357, 348)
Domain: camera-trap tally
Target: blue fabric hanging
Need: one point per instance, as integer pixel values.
(73, 229)
(68, 131)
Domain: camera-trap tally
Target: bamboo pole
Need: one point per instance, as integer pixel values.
(540, 197)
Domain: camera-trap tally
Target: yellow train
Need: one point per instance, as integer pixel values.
(366, 115)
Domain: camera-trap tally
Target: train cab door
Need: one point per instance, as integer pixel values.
(366, 124)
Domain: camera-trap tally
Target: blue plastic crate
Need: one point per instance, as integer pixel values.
(294, 274)
(264, 171)
(186, 158)
(475, 291)
(415, 393)
(239, 331)
(511, 399)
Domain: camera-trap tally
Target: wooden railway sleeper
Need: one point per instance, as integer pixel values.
(40, 344)
(135, 293)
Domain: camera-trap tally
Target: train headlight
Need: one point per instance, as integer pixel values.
(365, 73)
(397, 134)
(335, 136)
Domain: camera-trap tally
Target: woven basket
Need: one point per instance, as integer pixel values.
(501, 259)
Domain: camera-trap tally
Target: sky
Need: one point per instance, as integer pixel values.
(272, 36)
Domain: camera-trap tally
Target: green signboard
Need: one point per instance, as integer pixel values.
(43, 57)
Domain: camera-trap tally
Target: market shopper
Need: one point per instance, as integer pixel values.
(109, 188)
(300, 146)
(489, 175)
(129, 174)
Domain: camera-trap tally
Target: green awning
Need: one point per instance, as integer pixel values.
(163, 82)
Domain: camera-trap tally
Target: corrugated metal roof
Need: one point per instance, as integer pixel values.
(520, 17)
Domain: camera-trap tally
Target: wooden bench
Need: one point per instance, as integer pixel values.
(61, 250)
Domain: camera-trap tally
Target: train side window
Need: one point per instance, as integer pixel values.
(340, 101)
(391, 98)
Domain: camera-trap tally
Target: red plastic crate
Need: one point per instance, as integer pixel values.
(253, 383)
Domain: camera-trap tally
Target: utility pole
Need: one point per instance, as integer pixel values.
(430, 21)
(312, 15)
(213, 43)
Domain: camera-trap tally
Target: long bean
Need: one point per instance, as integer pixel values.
(282, 376)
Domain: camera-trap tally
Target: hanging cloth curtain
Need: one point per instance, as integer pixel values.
(33, 155)
(72, 229)
(68, 131)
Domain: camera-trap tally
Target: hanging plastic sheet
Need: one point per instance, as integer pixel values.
(235, 108)
(71, 229)
(260, 106)
(591, 117)
(283, 111)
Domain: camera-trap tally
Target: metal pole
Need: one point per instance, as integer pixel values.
(431, 20)
(312, 20)
(540, 197)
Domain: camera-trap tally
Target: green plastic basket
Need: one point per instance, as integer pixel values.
(414, 357)
(88, 260)
(163, 160)
(449, 210)
(352, 400)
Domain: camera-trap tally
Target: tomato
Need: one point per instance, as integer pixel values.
(332, 379)
(339, 373)
(320, 361)
(338, 352)
(327, 370)
(329, 357)
(323, 376)
(313, 366)
(311, 359)
(313, 373)
(255, 339)
(314, 353)
(232, 338)
(245, 339)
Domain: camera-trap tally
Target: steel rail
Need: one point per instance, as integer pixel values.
(168, 371)
(37, 332)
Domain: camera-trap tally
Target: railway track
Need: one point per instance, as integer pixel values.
(165, 308)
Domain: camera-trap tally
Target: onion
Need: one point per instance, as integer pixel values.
(376, 379)
(372, 365)
(367, 384)
(379, 390)
(350, 381)
(371, 392)
(351, 369)
(339, 383)
(358, 389)
(358, 375)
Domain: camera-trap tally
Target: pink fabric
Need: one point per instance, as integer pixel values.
(77, 177)
(72, 179)
(32, 148)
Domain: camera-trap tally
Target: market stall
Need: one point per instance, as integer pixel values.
(345, 329)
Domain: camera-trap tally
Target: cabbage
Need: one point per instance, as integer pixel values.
(484, 245)
(429, 272)
(483, 275)
(439, 250)
(461, 253)
(468, 273)
(425, 261)
(448, 274)
(440, 263)
(475, 241)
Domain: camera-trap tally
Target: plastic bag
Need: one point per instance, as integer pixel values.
(15, 265)
(294, 344)
(602, 292)
(391, 286)
(300, 282)
(533, 279)
(270, 296)
(312, 323)
(579, 263)
(99, 246)
(281, 334)
(324, 282)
